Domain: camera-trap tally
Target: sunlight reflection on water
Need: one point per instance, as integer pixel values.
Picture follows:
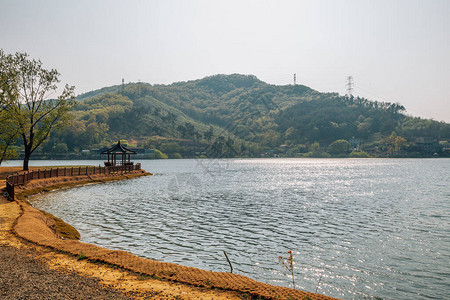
(370, 227)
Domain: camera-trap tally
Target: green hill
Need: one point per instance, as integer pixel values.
(240, 115)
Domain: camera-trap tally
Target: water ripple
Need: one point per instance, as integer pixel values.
(363, 228)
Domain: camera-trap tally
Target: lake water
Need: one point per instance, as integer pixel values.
(358, 228)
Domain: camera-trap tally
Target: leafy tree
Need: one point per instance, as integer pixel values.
(9, 80)
(190, 129)
(208, 135)
(60, 148)
(8, 93)
(315, 151)
(395, 143)
(170, 148)
(182, 130)
(359, 154)
(296, 151)
(8, 134)
(217, 148)
(160, 155)
(176, 155)
(315, 148)
(32, 111)
(339, 147)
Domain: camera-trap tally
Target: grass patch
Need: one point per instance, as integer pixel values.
(62, 228)
(143, 277)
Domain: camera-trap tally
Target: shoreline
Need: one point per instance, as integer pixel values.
(33, 226)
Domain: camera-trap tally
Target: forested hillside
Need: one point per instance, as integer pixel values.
(239, 115)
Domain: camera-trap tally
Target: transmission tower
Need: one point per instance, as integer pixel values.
(295, 79)
(349, 85)
(123, 84)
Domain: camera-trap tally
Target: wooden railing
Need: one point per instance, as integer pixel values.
(22, 178)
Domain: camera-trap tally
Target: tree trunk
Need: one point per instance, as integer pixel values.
(26, 159)
(25, 163)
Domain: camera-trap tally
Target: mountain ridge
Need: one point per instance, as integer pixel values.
(256, 116)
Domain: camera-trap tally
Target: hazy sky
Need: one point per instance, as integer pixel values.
(396, 50)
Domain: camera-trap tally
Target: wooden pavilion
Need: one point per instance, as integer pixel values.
(123, 151)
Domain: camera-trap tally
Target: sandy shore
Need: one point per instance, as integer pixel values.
(27, 233)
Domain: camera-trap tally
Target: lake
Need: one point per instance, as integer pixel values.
(358, 228)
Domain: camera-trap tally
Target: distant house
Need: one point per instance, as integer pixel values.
(355, 143)
(445, 145)
(284, 148)
(428, 145)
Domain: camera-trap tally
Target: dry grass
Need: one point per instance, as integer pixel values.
(63, 229)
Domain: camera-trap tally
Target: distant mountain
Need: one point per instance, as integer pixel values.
(241, 113)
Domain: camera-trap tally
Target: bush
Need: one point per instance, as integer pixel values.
(160, 155)
(317, 154)
(170, 148)
(339, 147)
(359, 154)
(60, 148)
(175, 155)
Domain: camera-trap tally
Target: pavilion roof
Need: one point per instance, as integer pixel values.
(118, 148)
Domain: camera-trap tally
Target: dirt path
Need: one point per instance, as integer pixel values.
(24, 276)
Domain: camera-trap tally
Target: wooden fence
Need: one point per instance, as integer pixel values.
(22, 178)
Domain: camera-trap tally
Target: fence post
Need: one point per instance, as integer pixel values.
(10, 188)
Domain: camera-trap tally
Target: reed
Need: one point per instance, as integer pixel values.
(288, 264)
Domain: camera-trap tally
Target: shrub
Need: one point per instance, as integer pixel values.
(359, 154)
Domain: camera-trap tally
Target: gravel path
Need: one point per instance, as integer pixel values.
(24, 277)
